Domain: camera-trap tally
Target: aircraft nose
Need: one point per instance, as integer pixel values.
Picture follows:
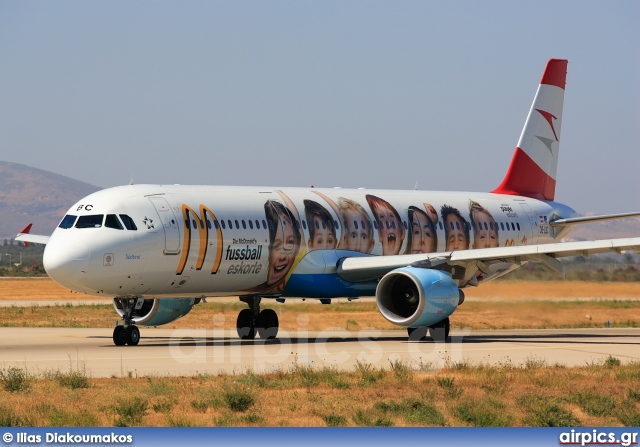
(66, 263)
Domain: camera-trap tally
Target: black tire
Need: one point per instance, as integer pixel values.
(440, 331)
(417, 333)
(268, 324)
(132, 335)
(246, 325)
(119, 337)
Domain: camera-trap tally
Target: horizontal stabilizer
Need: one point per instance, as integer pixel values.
(591, 219)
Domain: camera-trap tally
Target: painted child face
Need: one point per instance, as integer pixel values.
(283, 251)
(484, 238)
(391, 231)
(356, 239)
(323, 237)
(422, 237)
(456, 237)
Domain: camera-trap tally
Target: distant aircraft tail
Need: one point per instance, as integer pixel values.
(533, 168)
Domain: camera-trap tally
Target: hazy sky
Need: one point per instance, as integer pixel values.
(326, 93)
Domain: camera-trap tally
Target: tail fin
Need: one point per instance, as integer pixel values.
(532, 172)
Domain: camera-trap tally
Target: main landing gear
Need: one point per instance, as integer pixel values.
(439, 331)
(252, 320)
(129, 334)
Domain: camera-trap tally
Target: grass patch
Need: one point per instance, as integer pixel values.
(545, 412)
(449, 387)
(334, 420)
(239, 399)
(595, 404)
(130, 412)
(483, 413)
(413, 411)
(15, 379)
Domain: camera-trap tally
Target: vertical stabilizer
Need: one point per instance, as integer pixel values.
(532, 172)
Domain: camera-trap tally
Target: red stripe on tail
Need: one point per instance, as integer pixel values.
(555, 73)
(526, 178)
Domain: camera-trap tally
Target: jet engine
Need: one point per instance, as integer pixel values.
(415, 297)
(156, 312)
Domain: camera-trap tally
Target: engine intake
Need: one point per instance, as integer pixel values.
(156, 312)
(414, 297)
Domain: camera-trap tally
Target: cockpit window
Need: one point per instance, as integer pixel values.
(128, 222)
(112, 221)
(68, 221)
(93, 221)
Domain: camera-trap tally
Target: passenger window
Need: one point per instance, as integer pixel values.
(355, 223)
(208, 223)
(264, 224)
(257, 224)
(237, 225)
(230, 224)
(304, 224)
(244, 225)
(112, 222)
(486, 227)
(216, 224)
(502, 226)
(337, 225)
(518, 225)
(195, 225)
(251, 225)
(440, 225)
(68, 221)
(222, 223)
(317, 225)
(93, 221)
(128, 222)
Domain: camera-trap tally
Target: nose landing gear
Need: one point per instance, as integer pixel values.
(129, 334)
(251, 321)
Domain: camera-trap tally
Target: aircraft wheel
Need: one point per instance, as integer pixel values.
(417, 333)
(268, 324)
(132, 334)
(440, 331)
(119, 337)
(246, 325)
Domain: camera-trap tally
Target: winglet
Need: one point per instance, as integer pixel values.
(26, 230)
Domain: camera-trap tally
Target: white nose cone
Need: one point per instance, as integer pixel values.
(67, 262)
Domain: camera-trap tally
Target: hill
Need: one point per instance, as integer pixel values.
(33, 195)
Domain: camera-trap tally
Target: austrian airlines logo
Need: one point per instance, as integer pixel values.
(549, 117)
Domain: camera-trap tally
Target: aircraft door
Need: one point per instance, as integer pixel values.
(170, 225)
(532, 233)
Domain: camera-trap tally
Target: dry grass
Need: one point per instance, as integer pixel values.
(461, 395)
(498, 305)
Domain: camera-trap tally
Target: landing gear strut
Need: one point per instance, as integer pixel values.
(129, 334)
(439, 331)
(252, 320)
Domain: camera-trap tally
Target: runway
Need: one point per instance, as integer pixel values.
(199, 351)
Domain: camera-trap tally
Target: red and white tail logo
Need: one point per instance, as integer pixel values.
(532, 172)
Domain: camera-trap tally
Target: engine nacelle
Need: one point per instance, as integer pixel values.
(415, 297)
(156, 312)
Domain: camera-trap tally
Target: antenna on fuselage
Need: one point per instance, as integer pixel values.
(415, 187)
(131, 181)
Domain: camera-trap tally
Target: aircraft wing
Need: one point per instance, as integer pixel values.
(26, 237)
(357, 269)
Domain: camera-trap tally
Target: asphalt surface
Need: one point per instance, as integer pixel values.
(201, 351)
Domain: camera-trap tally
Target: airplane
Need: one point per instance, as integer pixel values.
(158, 250)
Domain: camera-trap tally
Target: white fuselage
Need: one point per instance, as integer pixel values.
(193, 241)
